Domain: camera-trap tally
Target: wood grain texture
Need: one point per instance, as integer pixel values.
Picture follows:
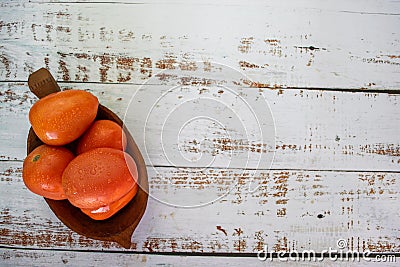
(327, 45)
(315, 130)
(285, 210)
(280, 119)
(18, 257)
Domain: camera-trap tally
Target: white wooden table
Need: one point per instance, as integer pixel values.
(264, 124)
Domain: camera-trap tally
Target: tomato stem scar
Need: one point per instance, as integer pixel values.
(36, 158)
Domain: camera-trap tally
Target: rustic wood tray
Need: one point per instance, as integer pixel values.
(120, 227)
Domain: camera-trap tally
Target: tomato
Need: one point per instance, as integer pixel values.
(102, 133)
(60, 118)
(43, 168)
(99, 177)
(106, 212)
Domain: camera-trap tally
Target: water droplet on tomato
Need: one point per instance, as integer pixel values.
(93, 171)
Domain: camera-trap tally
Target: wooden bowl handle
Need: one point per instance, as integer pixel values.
(42, 83)
(124, 238)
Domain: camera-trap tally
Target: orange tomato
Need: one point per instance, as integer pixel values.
(106, 212)
(99, 178)
(102, 133)
(43, 168)
(62, 117)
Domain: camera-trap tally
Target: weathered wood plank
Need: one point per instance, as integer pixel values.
(329, 45)
(18, 257)
(316, 130)
(336, 153)
(240, 212)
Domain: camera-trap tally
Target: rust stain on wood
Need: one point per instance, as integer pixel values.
(272, 42)
(393, 56)
(125, 35)
(198, 81)
(223, 144)
(153, 244)
(65, 29)
(245, 44)
(207, 67)
(280, 188)
(281, 244)
(254, 84)
(165, 77)
(259, 237)
(238, 231)
(11, 27)
(7, 65)
(382, 149)
(106, 35)
(380, 246)
(146, 65)
(222, 230)
(227, 144)
(202, 91)
(311, 60)
(56, 234)
(392, 150)
(24, 227)
(240, 245)
(60, 14)
(105, 61)
(168, 62)
(82, 75)
(187, 64)
(244, 64)
(380, 61)
(64, 70)
(275, 48)
(126, 63)
(126, 66)
(46, 61)
(11, 174)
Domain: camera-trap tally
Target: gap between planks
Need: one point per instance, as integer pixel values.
(322, 89)
(250, 169)
(194, 254)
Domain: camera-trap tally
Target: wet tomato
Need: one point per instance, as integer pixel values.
(60, 118)
(102, 133)
(43, 168)
(107, 211)
(99, 181)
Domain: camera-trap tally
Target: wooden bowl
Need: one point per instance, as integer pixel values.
(120, 227)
